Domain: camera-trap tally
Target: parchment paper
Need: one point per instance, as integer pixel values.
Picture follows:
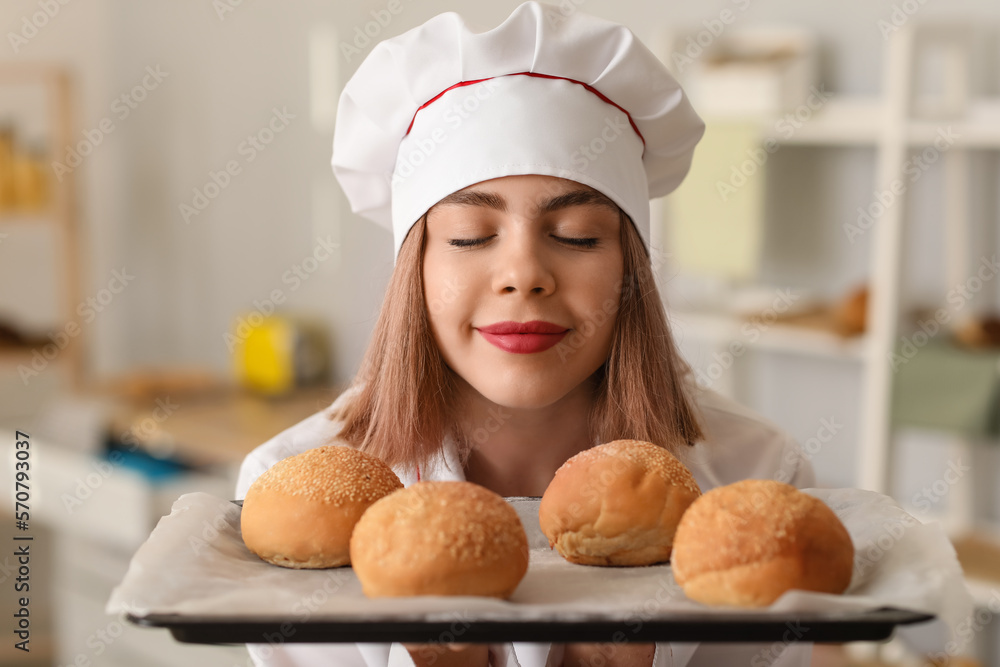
(195, 563)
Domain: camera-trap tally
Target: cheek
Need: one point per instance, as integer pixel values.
(438, 304)
(606, 304)
(596, 299)
(446, 293)
(602, 289)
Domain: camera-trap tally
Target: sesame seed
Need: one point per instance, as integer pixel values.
(466, 521)
(337, 474)
(644, 454)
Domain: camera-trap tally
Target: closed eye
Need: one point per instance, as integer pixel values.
(468, 243)
(576, 242)
(581, 243)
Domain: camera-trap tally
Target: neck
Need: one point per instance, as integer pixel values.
(516, 452)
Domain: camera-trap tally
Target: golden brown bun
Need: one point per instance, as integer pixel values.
(301, 511)
(617, 504)
(440, 538)
(745, 544)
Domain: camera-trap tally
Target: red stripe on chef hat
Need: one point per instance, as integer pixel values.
(595, 91)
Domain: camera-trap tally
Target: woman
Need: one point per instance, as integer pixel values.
(522, 324)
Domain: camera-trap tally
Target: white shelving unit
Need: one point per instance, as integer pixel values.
(776, 338)
(891, 125)
(60, 217)
(894, 124)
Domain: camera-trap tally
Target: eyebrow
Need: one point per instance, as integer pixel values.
(497, 202)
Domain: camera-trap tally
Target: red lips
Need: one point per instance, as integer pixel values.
(523, 337)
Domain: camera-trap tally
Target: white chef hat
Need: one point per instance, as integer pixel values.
(548, 91)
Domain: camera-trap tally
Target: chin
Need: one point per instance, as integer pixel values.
(522, 395)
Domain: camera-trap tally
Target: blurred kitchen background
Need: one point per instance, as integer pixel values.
(181, 277)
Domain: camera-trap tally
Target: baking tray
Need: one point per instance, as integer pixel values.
(683, 625)
(827, 627)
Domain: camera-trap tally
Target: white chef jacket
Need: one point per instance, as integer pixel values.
(738, 444)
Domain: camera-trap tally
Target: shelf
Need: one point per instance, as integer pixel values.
(858, 121)
(841, 121)
(785, 338)
(980, 128)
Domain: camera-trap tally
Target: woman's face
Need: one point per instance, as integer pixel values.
(522, 280)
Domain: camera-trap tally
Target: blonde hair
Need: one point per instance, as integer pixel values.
(407, 395)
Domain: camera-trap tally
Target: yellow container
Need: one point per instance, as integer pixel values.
(274, 354)
(8, 196)
(31, 184)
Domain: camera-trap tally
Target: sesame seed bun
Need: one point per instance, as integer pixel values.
(440, 538)
(747, 543)
(617, 504)
(301, 511)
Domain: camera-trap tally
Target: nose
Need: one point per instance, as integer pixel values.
(522, 267)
